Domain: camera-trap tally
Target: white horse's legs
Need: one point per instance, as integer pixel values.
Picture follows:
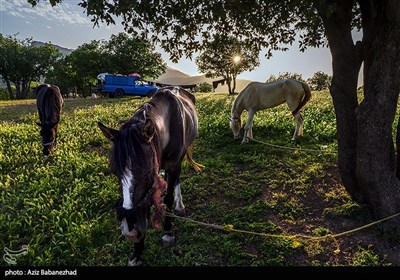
(248, 128)
(299, 126)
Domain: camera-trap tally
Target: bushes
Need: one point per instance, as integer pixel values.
(203, 87)
(4, 95)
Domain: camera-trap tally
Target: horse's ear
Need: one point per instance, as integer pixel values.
(148, 130)
(109, 133)
(39, 124)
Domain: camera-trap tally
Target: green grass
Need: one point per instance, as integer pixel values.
(62, 207)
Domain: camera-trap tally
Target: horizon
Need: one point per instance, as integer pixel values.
(43, 23)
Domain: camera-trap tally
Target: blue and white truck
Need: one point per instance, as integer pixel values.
(120, 85)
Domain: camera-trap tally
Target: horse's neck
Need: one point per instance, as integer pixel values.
(161, 125)
(237, 108)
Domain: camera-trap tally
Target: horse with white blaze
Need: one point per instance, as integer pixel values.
(157, 137)
(259, 96)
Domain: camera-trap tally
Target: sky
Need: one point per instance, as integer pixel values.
(68, 26)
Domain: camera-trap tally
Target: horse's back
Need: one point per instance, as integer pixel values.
(287, 85)
(181, 92)
(183, 118)
(49, 102)
(259, 95)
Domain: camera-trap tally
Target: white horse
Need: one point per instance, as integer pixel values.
(258, 96)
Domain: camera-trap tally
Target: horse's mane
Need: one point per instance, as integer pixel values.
(128, 149)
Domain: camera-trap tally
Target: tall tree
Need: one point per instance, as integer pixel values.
(21, 63)
(127, 54)
(62, 75)
(366, 156)
(319, 81)
(84, 64)
(226, 57)
(122, 54)
(8, 51)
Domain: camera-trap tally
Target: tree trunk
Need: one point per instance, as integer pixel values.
(24, 88)
(234, 84)
(9, 88)
(18, 89)
(398, 150)
(228, 82)
(346, 63)
(376, 113)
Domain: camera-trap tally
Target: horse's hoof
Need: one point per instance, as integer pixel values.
(180, 211)
(244, 142)
(168, 241)
(135, 262)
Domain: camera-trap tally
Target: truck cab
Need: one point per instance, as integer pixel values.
(120, 85)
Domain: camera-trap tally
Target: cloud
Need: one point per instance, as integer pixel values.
(68, 12)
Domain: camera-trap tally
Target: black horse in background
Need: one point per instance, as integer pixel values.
(157, 136)
(49, 103)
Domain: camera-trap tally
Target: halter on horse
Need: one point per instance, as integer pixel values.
(49, 104)
(258, 96)
(158, 136)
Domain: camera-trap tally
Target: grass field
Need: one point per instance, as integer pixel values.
(62, 206)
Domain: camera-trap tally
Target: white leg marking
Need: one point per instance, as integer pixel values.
(124, 227)
(168, 240)
(179, 207)
(135, 262)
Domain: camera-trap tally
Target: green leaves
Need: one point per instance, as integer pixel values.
(20, 63)
(226, 56)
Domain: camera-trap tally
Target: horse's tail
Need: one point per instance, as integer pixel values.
(306, 98)
(189, 155)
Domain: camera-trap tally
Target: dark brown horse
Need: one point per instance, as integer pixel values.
(49, 103)
(158, 136)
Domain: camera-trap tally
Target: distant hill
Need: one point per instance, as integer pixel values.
(63, 50)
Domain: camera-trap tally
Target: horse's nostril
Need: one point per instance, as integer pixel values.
(139, 234)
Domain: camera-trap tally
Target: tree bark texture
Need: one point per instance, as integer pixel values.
(346, 63)
(366, 158)
(375, 115)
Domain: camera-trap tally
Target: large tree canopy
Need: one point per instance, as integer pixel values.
(126, 54)
(226, 57)
(122, 54)
(366, 157)
(21, 63)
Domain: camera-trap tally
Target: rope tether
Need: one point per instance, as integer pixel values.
(230, 228)
(291, 148)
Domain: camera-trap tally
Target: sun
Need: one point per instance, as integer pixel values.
(237, 58)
